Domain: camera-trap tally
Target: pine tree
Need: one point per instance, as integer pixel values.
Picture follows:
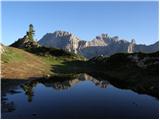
(31, 32)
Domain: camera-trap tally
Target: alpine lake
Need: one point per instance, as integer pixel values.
(81, 96)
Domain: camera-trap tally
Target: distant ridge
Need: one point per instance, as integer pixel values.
(100, 45)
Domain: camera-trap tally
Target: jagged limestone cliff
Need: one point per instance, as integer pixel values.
(61, 39)
(100, 45)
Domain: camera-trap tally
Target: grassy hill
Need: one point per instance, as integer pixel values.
(17, 63)
(20, 64)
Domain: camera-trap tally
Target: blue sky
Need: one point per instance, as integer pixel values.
(138, 20)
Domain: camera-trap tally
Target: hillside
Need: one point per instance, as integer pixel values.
(128, 65)
(136, 71)
(19, 64)
(23, 65)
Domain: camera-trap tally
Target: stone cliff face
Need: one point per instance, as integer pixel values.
(61, 39)
(104, 45)
(100, 45)
(131, 46)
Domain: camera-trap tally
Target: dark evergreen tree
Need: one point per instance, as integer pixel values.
(31, 32)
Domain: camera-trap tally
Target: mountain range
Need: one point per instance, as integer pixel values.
(101, 45)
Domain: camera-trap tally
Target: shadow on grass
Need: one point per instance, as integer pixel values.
(72, 67)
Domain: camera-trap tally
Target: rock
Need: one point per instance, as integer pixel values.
(100, 45)
(25, 43)
(61, 39)
(131, 46)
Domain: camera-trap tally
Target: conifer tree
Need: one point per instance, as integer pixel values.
(31, 32)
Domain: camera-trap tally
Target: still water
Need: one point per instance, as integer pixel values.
(81, 97)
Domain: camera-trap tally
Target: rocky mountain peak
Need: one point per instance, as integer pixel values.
(105, 40)
(61, 39)
(62, 33)
(102, 44)
(102, 36)
(66, 34)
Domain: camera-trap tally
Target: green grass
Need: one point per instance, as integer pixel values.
(26, 64)
(12, 55)
(50, 60)
(47, 62)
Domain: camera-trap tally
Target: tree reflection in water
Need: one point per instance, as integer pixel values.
(64, 83)
(28, 89)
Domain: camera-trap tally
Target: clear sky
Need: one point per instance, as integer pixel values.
(138, 20)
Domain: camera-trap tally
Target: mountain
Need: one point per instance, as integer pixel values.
(144, 48)
(100, 45)
(61, 39)
(104, 45)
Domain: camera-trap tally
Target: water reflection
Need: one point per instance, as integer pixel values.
(141, 84)
(66, 84)
(54, 82)
(8, 87)
(103, 100)
(60, 84)
(28, 89)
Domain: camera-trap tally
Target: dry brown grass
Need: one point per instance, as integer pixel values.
(30, 66)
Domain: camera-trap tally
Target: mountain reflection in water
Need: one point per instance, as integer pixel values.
(59, 98)
(60, 85)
